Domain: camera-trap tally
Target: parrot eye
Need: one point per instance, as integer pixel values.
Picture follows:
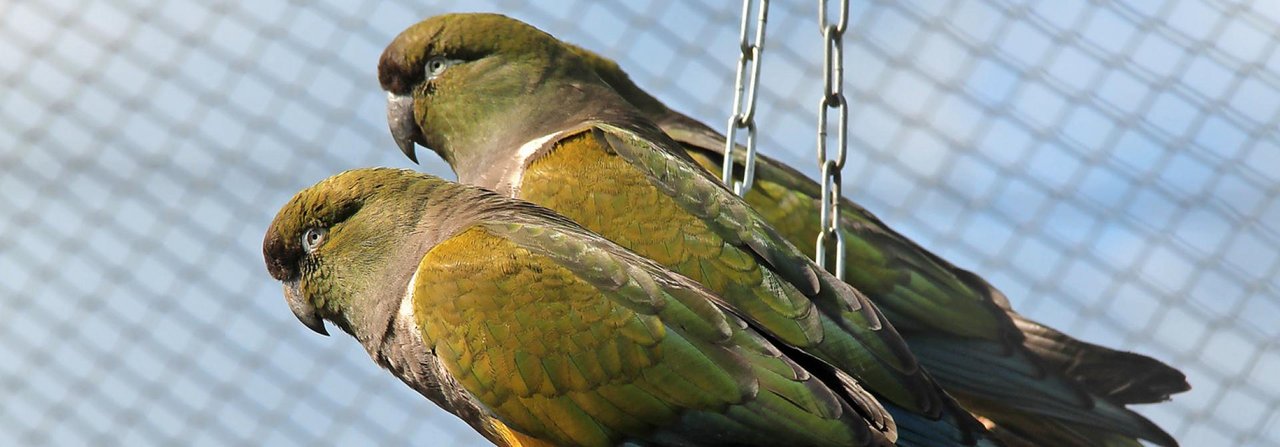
(312, 239)
(436, 65)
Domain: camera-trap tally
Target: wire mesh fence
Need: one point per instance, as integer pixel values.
(1113, 168)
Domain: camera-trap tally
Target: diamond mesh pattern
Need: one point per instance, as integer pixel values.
(1114, 168)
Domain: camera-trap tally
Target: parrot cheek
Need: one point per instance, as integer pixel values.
(302, 307)
(403, 127)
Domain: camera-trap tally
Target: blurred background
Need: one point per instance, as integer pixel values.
(1113, 168)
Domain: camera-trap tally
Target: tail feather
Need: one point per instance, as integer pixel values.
(1123, 377)
(1020, 430)
(955, 427)
(1015, 391)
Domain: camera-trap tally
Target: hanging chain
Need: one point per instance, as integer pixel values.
(744, 98)
(832, 98)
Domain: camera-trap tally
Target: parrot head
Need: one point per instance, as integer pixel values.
(334, 246)
(472, 87)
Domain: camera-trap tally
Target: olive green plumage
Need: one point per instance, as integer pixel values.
(529, 118)
(528, 323)
(1050, 387)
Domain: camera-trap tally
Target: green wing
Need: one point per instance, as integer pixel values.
(661, 205)
(916, 290)
(568, 342)
(960, 327)
(895, 375)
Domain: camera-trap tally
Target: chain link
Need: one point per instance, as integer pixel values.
(744, 98)
(832, 98)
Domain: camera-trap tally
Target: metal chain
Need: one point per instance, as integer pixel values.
(832, 98)
(744, 98)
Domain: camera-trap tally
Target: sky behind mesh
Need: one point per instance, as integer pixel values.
(1115, 170)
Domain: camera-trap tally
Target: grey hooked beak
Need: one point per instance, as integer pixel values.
(302, 308)
(400, 118)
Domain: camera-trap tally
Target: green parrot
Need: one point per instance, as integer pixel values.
(1037, 383)
(538, 332)
(515, 110)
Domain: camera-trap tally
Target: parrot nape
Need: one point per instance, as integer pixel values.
(538, 332)
(1037, 383)
(515, 110)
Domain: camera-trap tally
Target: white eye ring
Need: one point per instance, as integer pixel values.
(436, 65)
(312, 238)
